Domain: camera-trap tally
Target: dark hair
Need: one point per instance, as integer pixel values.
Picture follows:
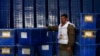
(65, 15)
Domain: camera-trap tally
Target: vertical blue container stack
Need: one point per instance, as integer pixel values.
(98, 34)
(25, 42)
(75, 12)
(5, 14)
(42, 41)
(7, 42)
(29, 13)
(55, 42)
(36, 38)
(86, 36)
(63, 7)
(52, 12)
(53, 19)
(75, 16)
(88, 6)
(96, 6)
(85, 50)
(24, 46)
(40, 13)
(18, 13)
(97, 10)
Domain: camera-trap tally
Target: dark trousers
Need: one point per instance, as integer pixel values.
(63, 51)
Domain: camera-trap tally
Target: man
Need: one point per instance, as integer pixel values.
(66, 35)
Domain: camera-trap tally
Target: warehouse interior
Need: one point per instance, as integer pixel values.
(23, 26)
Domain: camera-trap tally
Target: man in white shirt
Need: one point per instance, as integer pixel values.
(66, 35)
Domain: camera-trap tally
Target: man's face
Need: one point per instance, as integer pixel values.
(63, 19)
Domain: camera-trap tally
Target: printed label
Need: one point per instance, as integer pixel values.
(45, 47)
(88, 18)
(23, 34)
(6, 34)
(5, 50)
(25, 51)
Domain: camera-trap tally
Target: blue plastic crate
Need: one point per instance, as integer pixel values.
(24, 36)
(40, 13)
(88, 21)
(85, 20)
(25, 51)
(86, 36)
(39, 36)
(55, 43)
(35, 36)
(18, 13)
(7, 37)
(45, 37)
(85, 50)
(29, 13)
(7, 51)
(45, 50)
(50, 35)
(55, 36)
(52, 12)
(5, 14)
(88, 6)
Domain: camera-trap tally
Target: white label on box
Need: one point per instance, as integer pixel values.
(26, 51)
(88, 34)
(45, 47)
(89, 18)
(6, 34)
(5, 50)
(23, 34)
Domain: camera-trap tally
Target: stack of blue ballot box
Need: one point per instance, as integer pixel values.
(86, 35)
(40, 13)
(98, 34)
(42, 41)
(17, 13)
(5, 14)
(85, 50)
(87, 6)
(38, 40)
(28, 13)
(7, 42)
(53, 12)
(24, 46)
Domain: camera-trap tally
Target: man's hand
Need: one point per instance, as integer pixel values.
(69, 49)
